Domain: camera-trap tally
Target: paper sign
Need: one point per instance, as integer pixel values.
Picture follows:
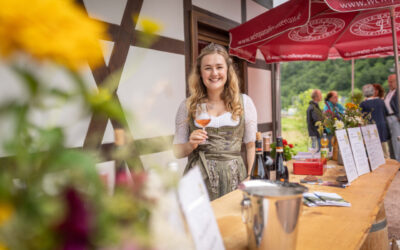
(347, 155)
(197, 209)
(357, 146)
(373, 145)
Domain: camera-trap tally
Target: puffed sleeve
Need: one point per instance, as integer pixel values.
(250, 119)
(181, 125)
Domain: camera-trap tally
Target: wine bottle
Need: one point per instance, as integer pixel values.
(268, 161)
(282, 173)
(272, 169)
(258, 169)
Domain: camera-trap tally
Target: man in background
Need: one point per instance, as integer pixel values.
(314, 114)
(392, 106)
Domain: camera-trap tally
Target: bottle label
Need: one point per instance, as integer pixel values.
(324, 153)
(279, 149)
(272, 175)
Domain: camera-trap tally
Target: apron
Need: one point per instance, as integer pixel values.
(220, 160)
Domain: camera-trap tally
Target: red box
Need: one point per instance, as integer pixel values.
(309, 167)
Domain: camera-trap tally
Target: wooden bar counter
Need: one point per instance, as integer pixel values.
(319, 227)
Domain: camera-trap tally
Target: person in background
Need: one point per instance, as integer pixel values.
(314, 114)
(213, 81)
(333, 108)
(332, 105)
(376, 106)
(379, 91)
(392, 105)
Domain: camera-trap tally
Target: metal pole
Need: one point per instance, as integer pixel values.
(352, 77)
(396, 52)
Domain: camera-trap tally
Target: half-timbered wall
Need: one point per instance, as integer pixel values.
(153, 80)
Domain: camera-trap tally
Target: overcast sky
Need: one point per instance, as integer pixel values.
(278, 2)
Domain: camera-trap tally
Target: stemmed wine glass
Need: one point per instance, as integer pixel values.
(202, 116)
(313, 145)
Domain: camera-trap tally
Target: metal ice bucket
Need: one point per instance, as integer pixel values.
(271, 212)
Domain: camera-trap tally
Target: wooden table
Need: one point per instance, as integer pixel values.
(319, 227)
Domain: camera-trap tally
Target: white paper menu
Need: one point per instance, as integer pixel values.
(197, 209)
(357, 146)
(347, 155)
(373, 145)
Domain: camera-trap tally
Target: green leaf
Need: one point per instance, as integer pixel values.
(30, 80)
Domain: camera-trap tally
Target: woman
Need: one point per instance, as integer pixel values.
(376, 107)
(379, 91)
(334, 109)
(213, 80)
(332, 105)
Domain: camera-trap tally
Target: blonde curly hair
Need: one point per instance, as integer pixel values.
(198, 91)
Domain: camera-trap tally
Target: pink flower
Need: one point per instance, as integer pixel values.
(75, 228)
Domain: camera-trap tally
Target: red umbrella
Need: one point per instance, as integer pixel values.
(310, 29)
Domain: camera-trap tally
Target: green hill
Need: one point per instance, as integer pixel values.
(297, 77)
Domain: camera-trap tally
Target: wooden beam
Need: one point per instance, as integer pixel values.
(187, 9)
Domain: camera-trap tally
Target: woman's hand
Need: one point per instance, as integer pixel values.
(183, 150)
(198, 136)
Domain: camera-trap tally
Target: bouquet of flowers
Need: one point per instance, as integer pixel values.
(354, 117)
(288, 150)
(330, 123)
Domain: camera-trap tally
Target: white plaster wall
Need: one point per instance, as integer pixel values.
(69, 115)
(152, 87)
(109, 133)
(169, 13)
(110, 11)
(230, 9)
(259, 87)
(254, 9)
(162, 159)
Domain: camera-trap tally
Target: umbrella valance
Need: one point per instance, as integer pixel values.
(354, 5)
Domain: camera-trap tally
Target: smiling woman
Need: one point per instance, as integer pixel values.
(213, 81)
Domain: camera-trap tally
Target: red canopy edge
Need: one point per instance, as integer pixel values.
(356, 5)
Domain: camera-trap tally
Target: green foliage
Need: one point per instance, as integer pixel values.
(291, 131)
(40, 170)
(297, 77)
(301, 104)
(357, 96)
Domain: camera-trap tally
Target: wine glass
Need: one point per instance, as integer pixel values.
(313, 145)
(202, 116)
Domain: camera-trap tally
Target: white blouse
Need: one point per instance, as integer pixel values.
(250, 120)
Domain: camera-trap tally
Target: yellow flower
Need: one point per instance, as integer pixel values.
(350, 105)
(59, 31)
(150, 29)
(2, 247)
(101, 97)
(6, 211)
(148, 25)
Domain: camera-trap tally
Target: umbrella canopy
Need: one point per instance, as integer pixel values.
(310, 29)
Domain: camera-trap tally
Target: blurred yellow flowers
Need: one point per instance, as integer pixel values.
(59, 31)
(6, 211)
(150, 28)
(350, 105)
